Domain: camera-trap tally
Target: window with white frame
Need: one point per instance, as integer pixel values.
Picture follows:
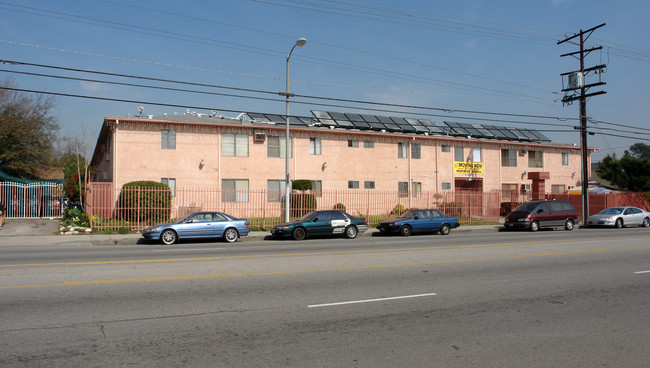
(234, 145)
(416, 151)
(508, 190)
(558, 189)
(275, 190)
(314, 146)
(565, 159)
(171, 183)
(509, 158)
(234, 190)
(402, 150)
(368, 184)
(276, 146)
(368, 144)
(476, 155)
(353, 184)
(403, 189)
(535, 159)
(416, 189)
(317, 187)
(168, 139)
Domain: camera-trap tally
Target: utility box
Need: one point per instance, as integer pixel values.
(576, 80)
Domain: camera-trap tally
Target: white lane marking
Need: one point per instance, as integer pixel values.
(185, 249)
(642, 272)
(370, 300)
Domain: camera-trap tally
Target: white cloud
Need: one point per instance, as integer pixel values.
(469, 44)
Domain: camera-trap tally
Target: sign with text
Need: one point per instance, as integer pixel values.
(461, 167)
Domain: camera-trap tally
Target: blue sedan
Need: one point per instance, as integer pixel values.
(199, 225)
(419, 221)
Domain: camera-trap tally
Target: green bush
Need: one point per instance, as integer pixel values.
(302, 184)
(398, 210)
(454, 209)
(302, 204)
(339, 206)
(145, 201)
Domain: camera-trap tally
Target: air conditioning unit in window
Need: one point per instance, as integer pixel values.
(522, 152)
(525, 188)
(260, 137)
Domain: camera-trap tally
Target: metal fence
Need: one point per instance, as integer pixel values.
(112, 208)
(132, 209)
(31, 200)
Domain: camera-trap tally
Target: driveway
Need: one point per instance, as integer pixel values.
(26, 227)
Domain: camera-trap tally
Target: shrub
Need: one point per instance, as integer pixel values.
(398, 210)
(302, 204)
(145, 201)
(453, 209)
(302, 184)
(339, 206)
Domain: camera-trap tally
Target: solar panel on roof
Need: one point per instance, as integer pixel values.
(257, 116)
(486, 133)
(508, 133)
(337, 115)
(456, 129)
(276, 118)
(436, 129)
(358, 121)
(384, 119)
(420, 128)
(377, 126)
(470, 129)
(518, 134)
(497, 132)
(408, 128)
(399, 120)
(294, 120)
(321, 114)
(540, 136)
(529, 134)
(345, 123)
(369, 118)
(392, 127)
(413, 122)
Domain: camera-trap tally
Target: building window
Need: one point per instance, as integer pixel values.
(476, 155)
(403, 188)
(171, 183)
(234, 190)
(558, 189)
(353, 184)
(168, 139)
(234, 145)
(507, 191)
(446, 186)
(565, 159)
(402, 150)
(275, 190)
(314, 146)
(416, 189)
(368, 144)
(368, 185)
(458, 154)
(509, 158)
(276, 146)
(446, 148)
(416, 150)
(353, 143)
(317, 187)
(535, 159)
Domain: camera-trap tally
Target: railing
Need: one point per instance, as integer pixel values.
(31, 200)
(108, 210)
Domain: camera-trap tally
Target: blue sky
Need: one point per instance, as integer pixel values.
(493, 62)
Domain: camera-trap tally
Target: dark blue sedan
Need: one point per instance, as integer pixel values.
(419, 221)
(199, 225)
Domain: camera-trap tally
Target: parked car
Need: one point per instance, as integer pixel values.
(199, 225)
(619, 217)
(419, 221)
(542, 214)
(330, 222)
(50, 206)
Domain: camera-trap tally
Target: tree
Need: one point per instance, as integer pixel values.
(27, 132)
(628, 173)
(639, 150)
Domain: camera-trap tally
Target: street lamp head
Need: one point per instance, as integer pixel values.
(301, 42)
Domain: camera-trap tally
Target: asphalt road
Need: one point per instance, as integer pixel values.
(545, 299)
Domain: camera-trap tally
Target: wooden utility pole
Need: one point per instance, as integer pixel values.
(577, 90)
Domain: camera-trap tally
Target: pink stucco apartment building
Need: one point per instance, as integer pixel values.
(337, 151)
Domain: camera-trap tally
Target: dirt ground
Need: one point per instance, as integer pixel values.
(23, 227)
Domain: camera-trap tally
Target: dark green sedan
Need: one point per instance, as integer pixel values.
(317, 223)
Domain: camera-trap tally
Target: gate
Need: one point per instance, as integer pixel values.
(32, 200)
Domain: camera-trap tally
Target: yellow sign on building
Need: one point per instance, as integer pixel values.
(461, 167)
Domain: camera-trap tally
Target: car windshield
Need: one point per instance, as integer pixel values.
(308, 217)
(408, 214)
(612, 211)
(526, 207)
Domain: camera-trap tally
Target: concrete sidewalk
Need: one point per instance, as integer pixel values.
(44, 232)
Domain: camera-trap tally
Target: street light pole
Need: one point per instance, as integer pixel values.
(287, 184)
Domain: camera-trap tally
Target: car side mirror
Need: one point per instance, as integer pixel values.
(315, 219)
(415, 217)
(189, 221)
(540, 210)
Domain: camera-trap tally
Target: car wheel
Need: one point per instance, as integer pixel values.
(168, 237)
(405, 230)
(230, 235)
(534, 226)
(619, 223)
(445, 229)
(646, 222)
(351, 232)
(568, 225)
(299, 233)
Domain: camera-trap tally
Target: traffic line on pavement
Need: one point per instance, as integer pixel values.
(370, 300)
(638, 272)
